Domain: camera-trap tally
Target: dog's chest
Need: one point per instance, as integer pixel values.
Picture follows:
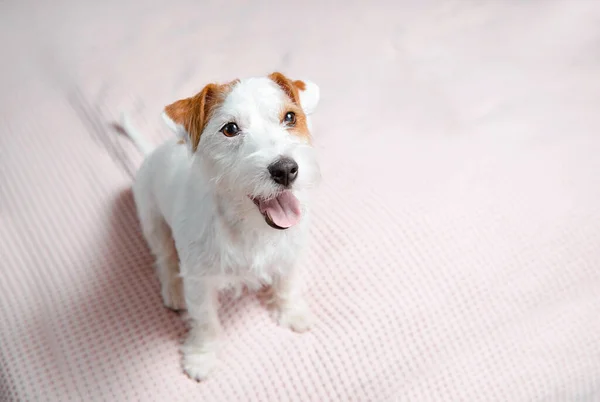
(259, 253)
(211, 241)
(242, 251)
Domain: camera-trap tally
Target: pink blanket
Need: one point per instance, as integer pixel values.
(456, 241)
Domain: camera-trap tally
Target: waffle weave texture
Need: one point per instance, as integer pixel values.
(455, 250)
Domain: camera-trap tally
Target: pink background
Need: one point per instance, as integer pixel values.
(456, 239)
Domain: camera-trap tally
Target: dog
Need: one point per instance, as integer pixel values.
(225, 203)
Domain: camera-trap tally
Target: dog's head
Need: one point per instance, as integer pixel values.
(253, 137)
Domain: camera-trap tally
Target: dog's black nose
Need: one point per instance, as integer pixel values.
(284, 171)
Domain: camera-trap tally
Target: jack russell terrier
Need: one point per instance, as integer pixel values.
(225, 204)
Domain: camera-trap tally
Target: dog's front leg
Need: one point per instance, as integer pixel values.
(287, 304)
(200, 348)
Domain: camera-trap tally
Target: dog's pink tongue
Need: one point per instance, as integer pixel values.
(284, 210)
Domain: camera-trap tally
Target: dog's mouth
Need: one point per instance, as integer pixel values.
(281, 212)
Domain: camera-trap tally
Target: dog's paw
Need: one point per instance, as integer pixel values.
(198, 366)
(172, 296)
(296, 317)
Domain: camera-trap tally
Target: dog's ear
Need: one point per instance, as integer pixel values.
(188, 117)
(310, 94)
(303, 92)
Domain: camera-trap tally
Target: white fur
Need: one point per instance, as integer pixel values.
(205, 232)
(140, 142)
(310, 97)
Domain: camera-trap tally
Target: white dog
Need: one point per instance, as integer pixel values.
(214, 202)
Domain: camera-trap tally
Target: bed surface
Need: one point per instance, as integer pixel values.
(456, 235)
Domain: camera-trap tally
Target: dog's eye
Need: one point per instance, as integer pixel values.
(230, 129)
(290, 118)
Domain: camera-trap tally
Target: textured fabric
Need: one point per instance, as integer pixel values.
(456, 241)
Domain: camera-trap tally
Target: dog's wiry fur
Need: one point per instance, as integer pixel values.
(194, 196)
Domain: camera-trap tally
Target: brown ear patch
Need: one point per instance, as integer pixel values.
(290, 87)
(300, 85)
(193, 113)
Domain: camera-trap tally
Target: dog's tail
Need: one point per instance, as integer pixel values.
(140, 142)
